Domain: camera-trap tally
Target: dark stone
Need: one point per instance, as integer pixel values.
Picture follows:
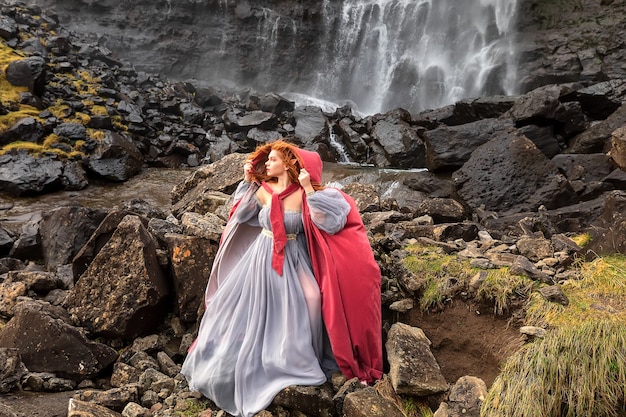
(509, 173)
(448, 148)
(28, 72)
(115, 158)
(64, 231)
(53, 344)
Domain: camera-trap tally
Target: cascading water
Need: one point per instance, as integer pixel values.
(415, 54)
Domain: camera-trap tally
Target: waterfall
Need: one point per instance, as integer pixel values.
(415, 54)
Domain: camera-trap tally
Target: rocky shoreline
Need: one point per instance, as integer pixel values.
(103, 302)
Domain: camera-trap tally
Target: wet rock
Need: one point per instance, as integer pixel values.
(8, 27)
(22, 174)
(28, 72)
(540, 103)
(472, 109)
(311, 125)
(449, 147)
(27, 129)
(401, 145)
(514, 162)
(543, 137)
(597, 139)
(115, 158)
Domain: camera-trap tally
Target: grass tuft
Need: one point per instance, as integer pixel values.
(582, 239)
(579, 368)
(502, 288)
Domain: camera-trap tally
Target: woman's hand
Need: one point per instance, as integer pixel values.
(305, 181)
(247, 171)
(304, 178)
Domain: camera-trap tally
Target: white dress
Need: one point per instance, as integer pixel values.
(262, 332)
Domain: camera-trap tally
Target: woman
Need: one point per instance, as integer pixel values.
(262, 329)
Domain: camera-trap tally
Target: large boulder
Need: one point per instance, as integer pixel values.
(123, 293)
(64, 231)
(97, 239)
(28, 72)
(598, 137)
(413, 368)
(115, 157)
(449, 147)
(191, 259)
(53, 344)
(509, 173)
(24, 174)
(401, 146)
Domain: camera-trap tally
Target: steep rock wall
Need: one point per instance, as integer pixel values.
(557, 40)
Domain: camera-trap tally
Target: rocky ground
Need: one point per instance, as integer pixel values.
(509, 181)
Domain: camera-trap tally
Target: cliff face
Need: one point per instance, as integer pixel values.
(255, 43)
(201, 39)
(571, 40)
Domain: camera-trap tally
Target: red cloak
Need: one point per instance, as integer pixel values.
(349, 281)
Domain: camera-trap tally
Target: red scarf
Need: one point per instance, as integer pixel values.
(277, 220)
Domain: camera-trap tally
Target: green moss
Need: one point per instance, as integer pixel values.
(193, 408)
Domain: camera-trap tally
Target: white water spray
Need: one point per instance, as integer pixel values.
(416, 54)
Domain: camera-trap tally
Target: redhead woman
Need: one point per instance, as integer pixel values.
(290, 247)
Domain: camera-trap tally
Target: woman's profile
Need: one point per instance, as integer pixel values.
(294, 292)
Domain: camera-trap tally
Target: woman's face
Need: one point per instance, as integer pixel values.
(274, 166)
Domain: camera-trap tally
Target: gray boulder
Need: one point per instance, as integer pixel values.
(413, 369)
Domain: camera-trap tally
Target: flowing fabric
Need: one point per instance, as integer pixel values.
(349, 280)
(261, 331)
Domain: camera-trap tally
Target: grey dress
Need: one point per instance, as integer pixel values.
(262, 332)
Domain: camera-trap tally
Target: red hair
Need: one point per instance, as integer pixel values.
(287, 152)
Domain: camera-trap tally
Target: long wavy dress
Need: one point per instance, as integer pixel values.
(262, 332)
